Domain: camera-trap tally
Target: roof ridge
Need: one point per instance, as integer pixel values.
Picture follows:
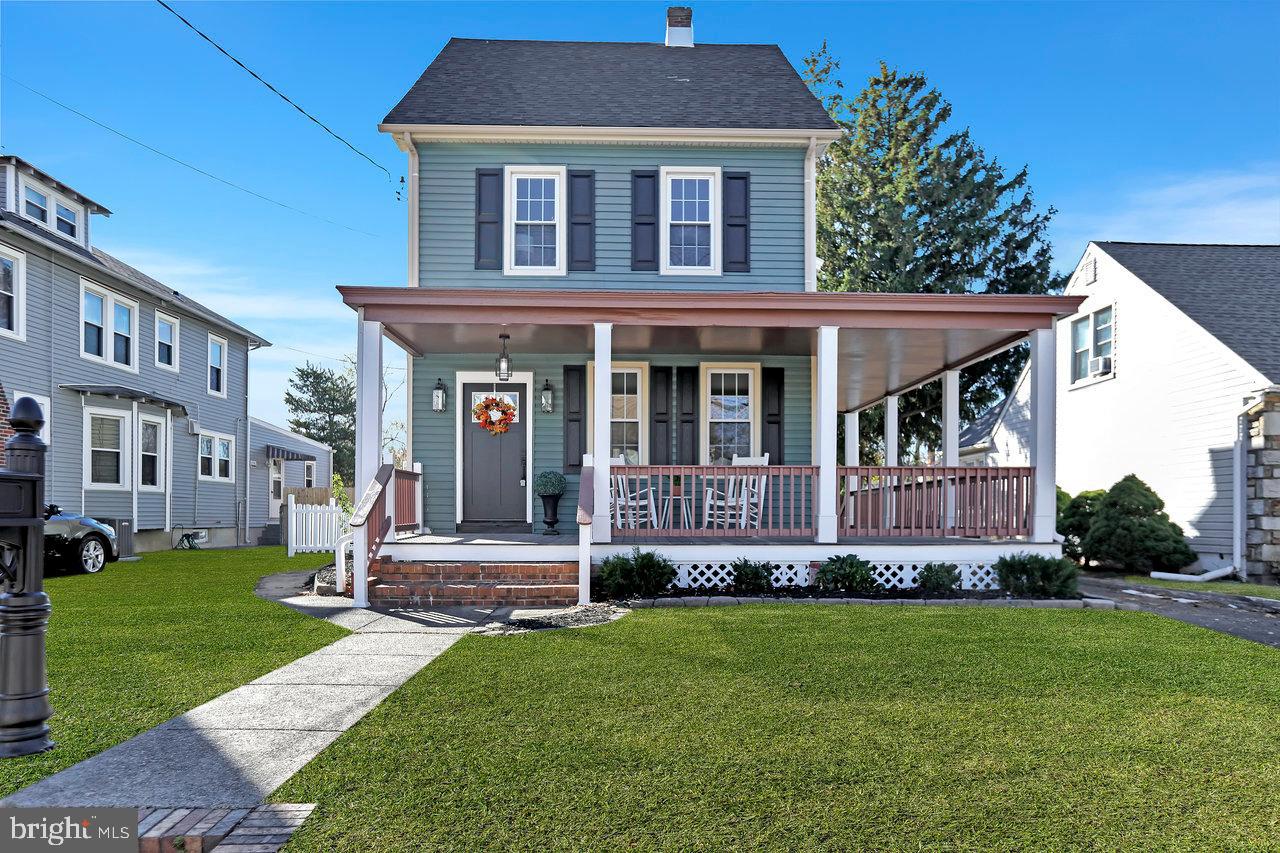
(607, 41)
(1174, 243)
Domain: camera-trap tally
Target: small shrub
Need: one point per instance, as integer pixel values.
(938, 578)
(847, 573)
(549, 483)
(339, 490)
(752, 577)
(642, 574)
(1037, 576)
(1075, 520)
(1130, 530)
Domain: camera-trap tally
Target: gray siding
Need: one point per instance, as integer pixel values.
(447, 201)
(260, 468)
(50, 357)
(435, 435)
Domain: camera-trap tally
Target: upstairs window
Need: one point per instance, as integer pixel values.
(12, 293)
(217, 366)
(535, 220)
(36, 205)
(166, 341)
(691, 221)
(122, 333)
(51, 209)
(94, 321)
(68, 220)
(1092, 343)
(109, 327)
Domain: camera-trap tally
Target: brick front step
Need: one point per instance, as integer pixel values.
(477, 572)
(402, 594)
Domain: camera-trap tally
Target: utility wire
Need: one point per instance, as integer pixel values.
(183, 163)
(281, 95)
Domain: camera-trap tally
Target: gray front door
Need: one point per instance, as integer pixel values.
(494, 467)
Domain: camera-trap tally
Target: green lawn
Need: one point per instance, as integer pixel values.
(812, 727)
(141, 642)
(1229, 587)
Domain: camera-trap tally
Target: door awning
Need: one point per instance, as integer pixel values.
(121, 392)
(287, 455)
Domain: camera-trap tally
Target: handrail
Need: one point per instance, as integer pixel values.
(361, 513)
(586, 494)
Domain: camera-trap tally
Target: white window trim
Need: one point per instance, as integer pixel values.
(666, 173)
(19, 332)
(308, 473)
(216, 436)
(640, 367)
(126, 455)
(177, 331)
(704, 397)
(1087, 316)
(560, 174)
(162, 445)
(54, 199)
(109, 300)
(226, 356)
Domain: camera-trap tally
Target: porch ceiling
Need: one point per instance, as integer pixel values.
(888, 342)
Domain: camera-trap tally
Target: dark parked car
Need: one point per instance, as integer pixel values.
(78, 540)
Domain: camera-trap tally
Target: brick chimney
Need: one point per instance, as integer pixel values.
(679, 26)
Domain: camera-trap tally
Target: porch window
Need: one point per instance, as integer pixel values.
(1092, 343)
(535, 220)
(691, 214)
(12, 285)
(151, 455)
(106, 450)
(109, 327)
(730, 405)
(628, 411)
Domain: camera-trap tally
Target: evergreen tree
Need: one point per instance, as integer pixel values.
(322, 406)
(907, 203)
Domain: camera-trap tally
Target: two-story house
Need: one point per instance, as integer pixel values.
(613, 275)
(145, 392)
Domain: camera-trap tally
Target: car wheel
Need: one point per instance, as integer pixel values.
(92, 554)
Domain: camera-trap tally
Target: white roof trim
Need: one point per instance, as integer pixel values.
(695, 135)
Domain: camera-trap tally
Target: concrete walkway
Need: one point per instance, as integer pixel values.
(236, 749)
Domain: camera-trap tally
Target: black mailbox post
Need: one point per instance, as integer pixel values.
(24, 607)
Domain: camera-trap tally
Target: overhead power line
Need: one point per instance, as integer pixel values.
(280, 94)
(183, 163)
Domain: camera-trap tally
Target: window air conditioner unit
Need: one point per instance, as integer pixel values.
(1100, 366)
(193, 428)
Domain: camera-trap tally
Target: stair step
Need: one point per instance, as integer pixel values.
(496, 594)
(437, 572)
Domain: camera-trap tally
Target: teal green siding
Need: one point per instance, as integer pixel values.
(447, 199)
(435, 434)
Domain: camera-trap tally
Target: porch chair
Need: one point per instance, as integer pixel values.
(741, 502)
(629, 506)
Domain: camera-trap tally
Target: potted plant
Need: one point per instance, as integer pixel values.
(550, 485)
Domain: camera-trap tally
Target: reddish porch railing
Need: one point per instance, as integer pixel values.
(649, 501)
(935, 501)
(407, 485)
(372, 509)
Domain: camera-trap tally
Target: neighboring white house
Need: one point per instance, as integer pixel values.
(1002, 434)
(1171, 345)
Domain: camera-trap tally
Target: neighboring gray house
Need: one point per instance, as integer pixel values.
(145, 391)
(280, 460)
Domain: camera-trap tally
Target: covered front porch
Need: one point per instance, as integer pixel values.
(719, 413)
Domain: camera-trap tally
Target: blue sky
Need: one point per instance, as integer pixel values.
(1140, 121)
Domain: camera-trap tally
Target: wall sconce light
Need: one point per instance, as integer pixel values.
(548, 397)
(438, 397)
(502, 366)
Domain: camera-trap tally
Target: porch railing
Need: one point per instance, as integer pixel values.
(648, 501)
(408, 498)
(935, 501)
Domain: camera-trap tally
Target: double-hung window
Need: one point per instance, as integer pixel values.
(731, 412)
(13, 282)
(51, 209)
(68, 220)
(628, 411)
(217, 366)
(166, 341)
(308, 475)
(1092, 343)
(217, 457)
(151, 454)
(109, 327)
(535, 227)
(36, 205)
(106, 449)
(691, 235)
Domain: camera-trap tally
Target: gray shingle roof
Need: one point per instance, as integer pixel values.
(611, 84)
(1232, 291)
(979, 432)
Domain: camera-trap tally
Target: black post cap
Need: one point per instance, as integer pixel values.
(26, 416)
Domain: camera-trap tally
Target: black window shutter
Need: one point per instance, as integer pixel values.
(659, 415)
(644, 220)
(575, 415)
(488, 219)
(737, 221)
(582, 220)
(771, 409)
(687, 416)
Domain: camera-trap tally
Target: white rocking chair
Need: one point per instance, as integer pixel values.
(630, 507)
(741, 502)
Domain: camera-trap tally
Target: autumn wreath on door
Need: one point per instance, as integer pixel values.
(494, 414)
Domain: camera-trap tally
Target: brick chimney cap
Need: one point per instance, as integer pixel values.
(679, 16)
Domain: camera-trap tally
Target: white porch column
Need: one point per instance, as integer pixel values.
(891, 430)
(852, 452)
(828, 354)
(1044, 425)
(602, 395)
(950, 439)
(368, 439)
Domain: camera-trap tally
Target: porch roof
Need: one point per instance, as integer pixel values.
(889, 342)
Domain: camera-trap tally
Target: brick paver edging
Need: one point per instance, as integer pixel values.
(729, 601)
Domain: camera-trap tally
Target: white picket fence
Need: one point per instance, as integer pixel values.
(315, 527)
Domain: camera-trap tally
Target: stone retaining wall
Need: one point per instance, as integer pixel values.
(1262, 492)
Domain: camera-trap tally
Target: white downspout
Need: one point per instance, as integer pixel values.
(135, 465)
(811, 216)
(405, 141)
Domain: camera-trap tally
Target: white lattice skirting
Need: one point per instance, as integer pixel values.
(715, 575)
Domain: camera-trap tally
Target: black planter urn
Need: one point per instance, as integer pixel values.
(551, 514)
